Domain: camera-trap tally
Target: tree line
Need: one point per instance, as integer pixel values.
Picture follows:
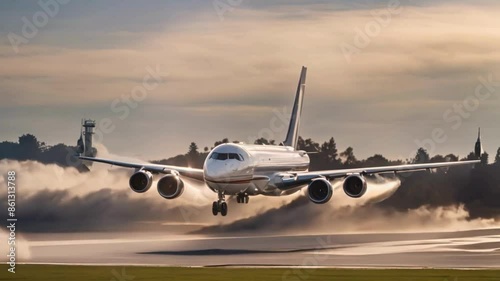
(477, 189)
(28, 147)
(323, 155)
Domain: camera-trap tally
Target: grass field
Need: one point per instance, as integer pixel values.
(136, 273)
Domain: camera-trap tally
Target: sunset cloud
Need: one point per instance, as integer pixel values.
(421, 61)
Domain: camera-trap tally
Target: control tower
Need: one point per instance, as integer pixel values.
(84, 144)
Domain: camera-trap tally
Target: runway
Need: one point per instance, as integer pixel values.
(468, 249)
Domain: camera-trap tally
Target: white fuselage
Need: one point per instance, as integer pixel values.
(250, 169)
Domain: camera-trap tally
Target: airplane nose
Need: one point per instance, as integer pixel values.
(218, 169)
(231, 167)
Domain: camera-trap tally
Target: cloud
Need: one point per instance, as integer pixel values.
(426, 59)
(258, 52)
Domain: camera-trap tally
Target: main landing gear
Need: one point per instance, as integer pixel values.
(220, 205)
(242, 198)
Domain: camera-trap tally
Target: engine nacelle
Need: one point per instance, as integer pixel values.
(141, 181)
(170, 186)
(355, 185)
(320, 191)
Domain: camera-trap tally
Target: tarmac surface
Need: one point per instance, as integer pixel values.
(467, 249)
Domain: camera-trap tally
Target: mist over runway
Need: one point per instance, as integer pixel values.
(468, 249)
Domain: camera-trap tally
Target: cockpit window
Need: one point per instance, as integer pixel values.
(234, 156)
(219, 156)
(222, 156)
(225, 156)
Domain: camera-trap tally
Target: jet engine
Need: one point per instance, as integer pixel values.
(320, 191)
(355, 186)
(141, 181)
(170, 186)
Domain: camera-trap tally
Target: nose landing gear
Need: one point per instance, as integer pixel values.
(220, 206)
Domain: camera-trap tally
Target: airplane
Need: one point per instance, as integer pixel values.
(246, 170)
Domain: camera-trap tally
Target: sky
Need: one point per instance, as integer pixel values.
(383, 76)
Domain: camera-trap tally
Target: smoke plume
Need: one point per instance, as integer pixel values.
(51, 198)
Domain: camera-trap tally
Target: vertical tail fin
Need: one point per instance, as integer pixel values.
(293, 129)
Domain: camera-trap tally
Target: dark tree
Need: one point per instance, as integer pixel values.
(437, 158)
(29, 147)
(451, 157)
(264, 141)
(311, 146)
(471, 156)
(193, 154)
(193, 149)
(9, 150)
(497, 157)
(224, 140)
(484, 158)
(329, 148)
(421, 157)
(349, 158)
(376, 160)
(301, 144)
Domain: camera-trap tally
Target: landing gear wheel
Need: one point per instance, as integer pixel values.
(242, 198)
(215, 208)
(223, 209)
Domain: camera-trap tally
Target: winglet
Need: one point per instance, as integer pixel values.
(293, 129)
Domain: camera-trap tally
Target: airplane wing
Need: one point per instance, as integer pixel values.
(193, 173)
(305, 177)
